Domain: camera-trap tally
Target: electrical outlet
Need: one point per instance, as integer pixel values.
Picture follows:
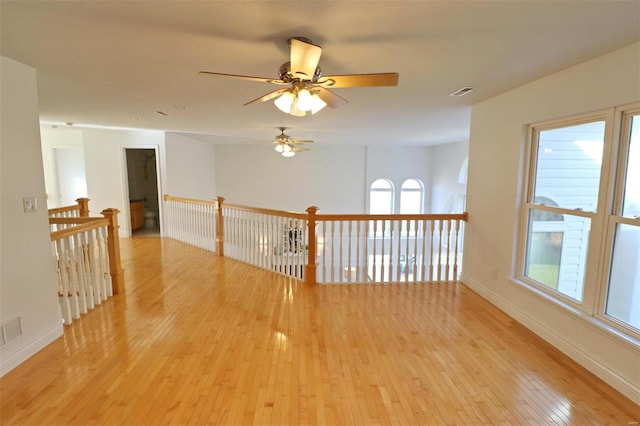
(30, 204)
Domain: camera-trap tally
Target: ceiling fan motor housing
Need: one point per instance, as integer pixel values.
(284, 73)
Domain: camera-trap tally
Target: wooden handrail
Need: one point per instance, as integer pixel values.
(72, 220)
(82, 207)
(188, 200)
(427, 216)
(85, 225)
(359, 216)
(281, 213)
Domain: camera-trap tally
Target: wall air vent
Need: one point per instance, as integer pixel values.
(462, 92)
(11, 329)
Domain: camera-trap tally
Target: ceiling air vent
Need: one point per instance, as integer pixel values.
(462, 92)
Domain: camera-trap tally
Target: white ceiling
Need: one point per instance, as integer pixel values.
(116, 62)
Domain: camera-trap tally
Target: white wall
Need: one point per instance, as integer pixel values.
(329, 177)
(190, 168)
(334, 178)
(447, 193)
(106, 168)
(496, 149)
(28, 286)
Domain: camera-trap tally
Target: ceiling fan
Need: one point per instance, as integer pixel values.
(307, 88)
(288, 147)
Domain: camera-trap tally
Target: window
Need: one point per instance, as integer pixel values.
(411, 197)
(381, 197)
(574, 220)
(566, 165)
(623, 292)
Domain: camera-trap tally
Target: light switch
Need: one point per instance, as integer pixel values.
(30, 204)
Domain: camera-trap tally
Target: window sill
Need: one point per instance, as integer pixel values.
(632, 340)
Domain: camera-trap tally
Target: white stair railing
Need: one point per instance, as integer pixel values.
(270, 239)
(325, 248)
(388, 248)
(81, 257)
(191, 221)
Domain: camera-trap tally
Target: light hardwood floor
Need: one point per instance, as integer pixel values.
(198, 339)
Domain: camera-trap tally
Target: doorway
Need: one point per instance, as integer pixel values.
(142, 177)
(69, 173)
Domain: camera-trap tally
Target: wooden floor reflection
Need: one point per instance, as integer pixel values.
(198, 339)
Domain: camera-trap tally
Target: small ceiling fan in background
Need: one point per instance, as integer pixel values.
(307, 89)
(288, 147)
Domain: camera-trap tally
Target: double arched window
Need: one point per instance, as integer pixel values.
(382, 199)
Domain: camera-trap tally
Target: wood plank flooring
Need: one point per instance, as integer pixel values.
(199, 339)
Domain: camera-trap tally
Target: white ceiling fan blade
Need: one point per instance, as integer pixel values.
(304, 59)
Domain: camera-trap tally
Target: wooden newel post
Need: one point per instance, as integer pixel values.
(220, 228)
(113, 242)
(310, 267)
(84, 206)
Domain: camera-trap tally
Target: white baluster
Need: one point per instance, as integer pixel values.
(88, 268)
(383, 252)
(391, 237)
(455, 252)
(414, 267)
(440, 250)
(448, 235)
(423, 256)
(63, 282)
(400, 230)
(78, 260)
(324, 251)
(431, 252)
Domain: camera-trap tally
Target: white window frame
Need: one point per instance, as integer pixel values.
(603, 218)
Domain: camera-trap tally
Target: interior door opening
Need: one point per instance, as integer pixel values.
(142, 177)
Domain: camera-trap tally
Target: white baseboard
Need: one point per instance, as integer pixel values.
(621, 384)
(31, 349)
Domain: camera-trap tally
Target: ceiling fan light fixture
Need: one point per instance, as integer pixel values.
(296, 111)
(284, 102)
(304, 101)
(317, 103)
(280, 147)
(288, 154)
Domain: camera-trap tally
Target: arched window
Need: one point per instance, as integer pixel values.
(411, 196)
(381, 197)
